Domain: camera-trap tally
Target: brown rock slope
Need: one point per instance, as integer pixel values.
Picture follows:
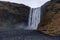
(12, 13)
(51, 21)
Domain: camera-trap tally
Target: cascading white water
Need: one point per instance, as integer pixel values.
(34, 18)
(34, 15)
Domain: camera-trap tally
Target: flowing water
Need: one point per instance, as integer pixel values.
(10, 21)
(34, 18)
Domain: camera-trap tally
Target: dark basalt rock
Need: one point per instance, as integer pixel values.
(12, 13)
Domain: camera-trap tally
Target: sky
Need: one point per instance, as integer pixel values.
(30, 3)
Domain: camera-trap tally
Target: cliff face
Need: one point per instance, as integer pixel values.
(12, 13)
(51, 20)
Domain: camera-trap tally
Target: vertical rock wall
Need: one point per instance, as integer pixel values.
(12, 13)
(51, 20)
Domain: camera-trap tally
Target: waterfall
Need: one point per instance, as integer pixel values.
(34, 18)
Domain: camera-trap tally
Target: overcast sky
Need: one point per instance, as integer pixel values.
(30, 3)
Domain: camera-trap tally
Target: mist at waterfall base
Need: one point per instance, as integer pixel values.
(33, 20)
